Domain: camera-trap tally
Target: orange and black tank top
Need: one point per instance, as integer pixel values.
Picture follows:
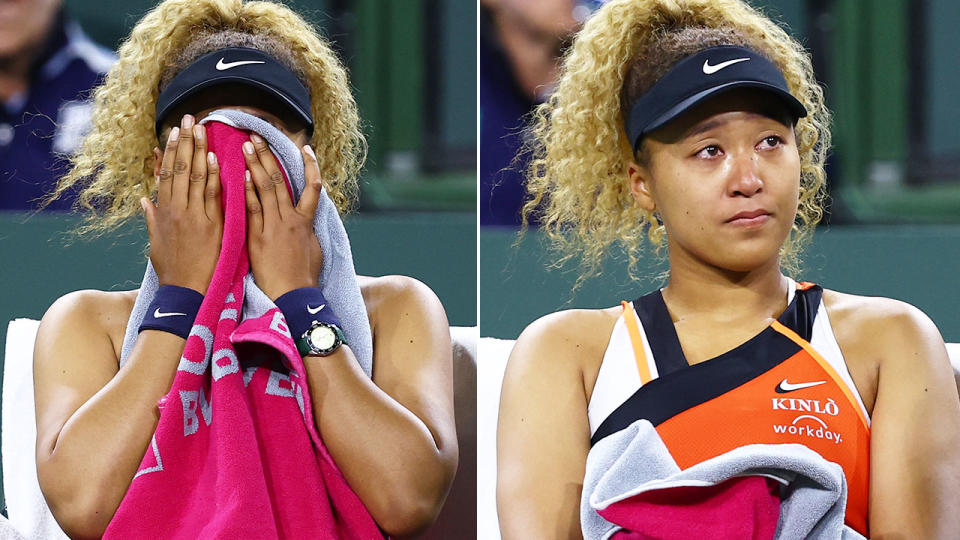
(787, 384)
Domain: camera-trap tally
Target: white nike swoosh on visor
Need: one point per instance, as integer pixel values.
(313, 311)
(784, 385)
(157, 314)
(710, 70)
(221, 65)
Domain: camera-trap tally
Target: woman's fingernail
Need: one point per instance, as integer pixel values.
(174, 133)
(198, 131)
(187, 122)
(246, 175)
(309, 150)
(211, 158)
(248, 147)
(255, 138)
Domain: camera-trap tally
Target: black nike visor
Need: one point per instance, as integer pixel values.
(710, 72)
(240, 65)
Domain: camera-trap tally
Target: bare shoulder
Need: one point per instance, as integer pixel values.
(865, 320)
(387, 297)
(76, 353)
(87, 314)
(878, 335)
(574, 339)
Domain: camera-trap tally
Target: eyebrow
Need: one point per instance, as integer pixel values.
(707, 125)
(703, 127)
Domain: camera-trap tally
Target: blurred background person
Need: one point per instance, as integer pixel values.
(47, 68)
(520, 46)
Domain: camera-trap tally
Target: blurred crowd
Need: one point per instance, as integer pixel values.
(48, 67)
(520, 46)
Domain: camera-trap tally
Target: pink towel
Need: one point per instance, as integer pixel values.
(236, 453)
(740, 508)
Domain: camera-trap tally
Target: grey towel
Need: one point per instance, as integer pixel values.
(338, 279)
(635, 460)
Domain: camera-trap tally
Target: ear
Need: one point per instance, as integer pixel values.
(640, 184)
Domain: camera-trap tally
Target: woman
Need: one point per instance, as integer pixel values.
(700, 125)
(392, 437)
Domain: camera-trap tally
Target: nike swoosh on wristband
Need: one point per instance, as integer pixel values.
(157, 314)
(710, 70)
(313, 311)
(221, 65)
(785, 387)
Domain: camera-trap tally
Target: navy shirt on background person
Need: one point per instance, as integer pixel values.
(40, 127)
(502, 109)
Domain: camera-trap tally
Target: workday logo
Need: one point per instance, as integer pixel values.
(808, 426)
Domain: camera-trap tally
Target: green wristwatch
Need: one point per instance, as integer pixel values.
(321, 339)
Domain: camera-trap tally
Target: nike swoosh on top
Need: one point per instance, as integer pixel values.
(157, 314)
(221, 65)
(313, 311)
(710, 70)
(785, 387)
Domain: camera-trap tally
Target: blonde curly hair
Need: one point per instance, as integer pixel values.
(579, 151)
(114, 164)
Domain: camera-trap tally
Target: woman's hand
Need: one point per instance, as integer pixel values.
(284, 252)
(186, 224)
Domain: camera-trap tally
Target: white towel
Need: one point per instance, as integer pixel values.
(27, 510)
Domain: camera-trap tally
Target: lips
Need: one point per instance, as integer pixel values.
(750, 217)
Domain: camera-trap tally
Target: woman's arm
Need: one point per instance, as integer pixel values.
(915, 429)
(543, 435)
(94, 423)
(393, 437)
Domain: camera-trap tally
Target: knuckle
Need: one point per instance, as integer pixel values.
(262, 149)
(198, 176)
(165, 174)
(179, 166)
(265, 186)
(276, 177)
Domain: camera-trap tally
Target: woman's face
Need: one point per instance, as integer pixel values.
(724, 178)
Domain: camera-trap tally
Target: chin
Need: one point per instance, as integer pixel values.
(747, 260)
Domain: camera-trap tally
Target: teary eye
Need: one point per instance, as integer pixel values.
(711, 151)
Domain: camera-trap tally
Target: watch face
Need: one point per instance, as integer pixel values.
(322, 338)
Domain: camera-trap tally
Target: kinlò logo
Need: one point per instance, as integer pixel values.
(806, 405)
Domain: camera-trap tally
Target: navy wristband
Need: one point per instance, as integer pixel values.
(173, 310)
(301, 307)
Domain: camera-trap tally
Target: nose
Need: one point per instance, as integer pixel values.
(745, 178)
